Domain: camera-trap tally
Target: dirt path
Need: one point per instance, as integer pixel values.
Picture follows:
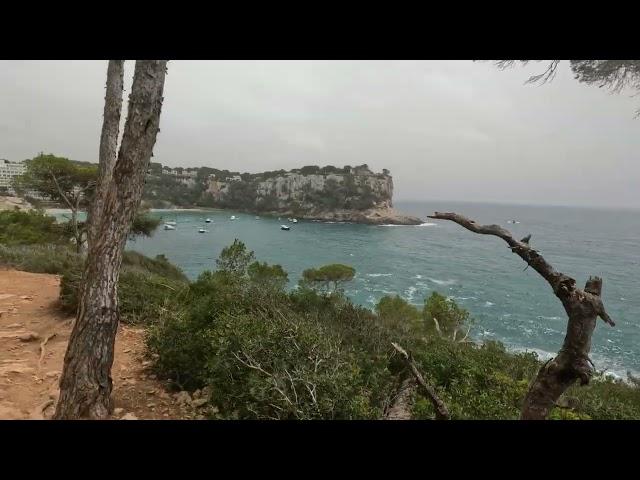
(29, 376)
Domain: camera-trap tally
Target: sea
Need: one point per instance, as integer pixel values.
(507, 301)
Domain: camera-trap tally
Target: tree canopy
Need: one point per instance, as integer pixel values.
(334, 275)
(615, 75)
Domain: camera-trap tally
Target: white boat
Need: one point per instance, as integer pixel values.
(512, 221)
(284, 227)
(202, 230)
(173, 224)
(208, 220)
(257, 217)
(295, 220)
(169, 227)
(290, 219)
(233, 217)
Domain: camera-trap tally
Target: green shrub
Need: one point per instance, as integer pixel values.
(53, 259)
(30, 227)
(443, 316)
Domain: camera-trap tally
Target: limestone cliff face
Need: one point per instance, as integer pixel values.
(355, 195)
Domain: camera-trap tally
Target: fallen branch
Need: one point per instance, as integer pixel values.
(400, 409)
(583, 307)
(42, 349)
(441, 409)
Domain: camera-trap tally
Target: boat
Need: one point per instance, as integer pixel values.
(233, 217)
(257, 217)
(295, 220)
(208, 220)
(168, 226)
(173, 224)
(284, 227)
(290, 219)
(202, 230)
(512, 221)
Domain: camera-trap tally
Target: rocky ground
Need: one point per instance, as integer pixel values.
(33, 340)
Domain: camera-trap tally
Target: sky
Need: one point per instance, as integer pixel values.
(447, 130)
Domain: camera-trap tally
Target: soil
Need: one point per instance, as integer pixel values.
(33, 340)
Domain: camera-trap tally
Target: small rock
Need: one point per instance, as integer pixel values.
(118, 411)
(197, 393)
(26, 297)
(129, 416)
(183, 397)
(29, 337)
(52, 374)
(146, 363)
(197, 403)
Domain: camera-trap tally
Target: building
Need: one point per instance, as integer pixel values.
(8, 171)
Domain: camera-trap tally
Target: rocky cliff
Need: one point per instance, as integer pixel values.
(330, 194)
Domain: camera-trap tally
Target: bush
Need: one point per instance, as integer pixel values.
(307, 354)
(145, 286)
(30, 227)
(443, 316)
(53, 259)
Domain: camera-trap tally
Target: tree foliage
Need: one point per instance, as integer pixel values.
(615, 75)
(333, 275)
(59, 179)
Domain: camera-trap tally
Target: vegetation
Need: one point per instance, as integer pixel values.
(615, 75)
(30, 227)
(61, 180)
(310, 353)
(334, 275)
(271, 354)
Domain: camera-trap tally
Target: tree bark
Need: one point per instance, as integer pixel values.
(108, 142)
(85, 385)
(583, 307)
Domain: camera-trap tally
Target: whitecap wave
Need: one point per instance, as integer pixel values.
(489, 304)
(379, 274)
(442, 282)
(540, 317)
(425, 224)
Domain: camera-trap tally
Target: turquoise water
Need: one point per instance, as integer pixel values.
(508, 304)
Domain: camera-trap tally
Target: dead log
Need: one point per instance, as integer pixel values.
(428, 391)
(583, 307)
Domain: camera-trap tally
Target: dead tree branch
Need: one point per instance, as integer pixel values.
(441, 409)
(583, 307)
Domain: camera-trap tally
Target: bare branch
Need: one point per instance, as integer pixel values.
(441, 409)
(561, 284)
(583, 307)
(547, 75)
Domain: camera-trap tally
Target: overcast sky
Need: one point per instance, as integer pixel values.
(447, 130)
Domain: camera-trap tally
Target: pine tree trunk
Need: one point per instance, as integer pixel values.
(85, 385)
(108, 142)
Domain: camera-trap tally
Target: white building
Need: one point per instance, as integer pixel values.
(8, 171)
